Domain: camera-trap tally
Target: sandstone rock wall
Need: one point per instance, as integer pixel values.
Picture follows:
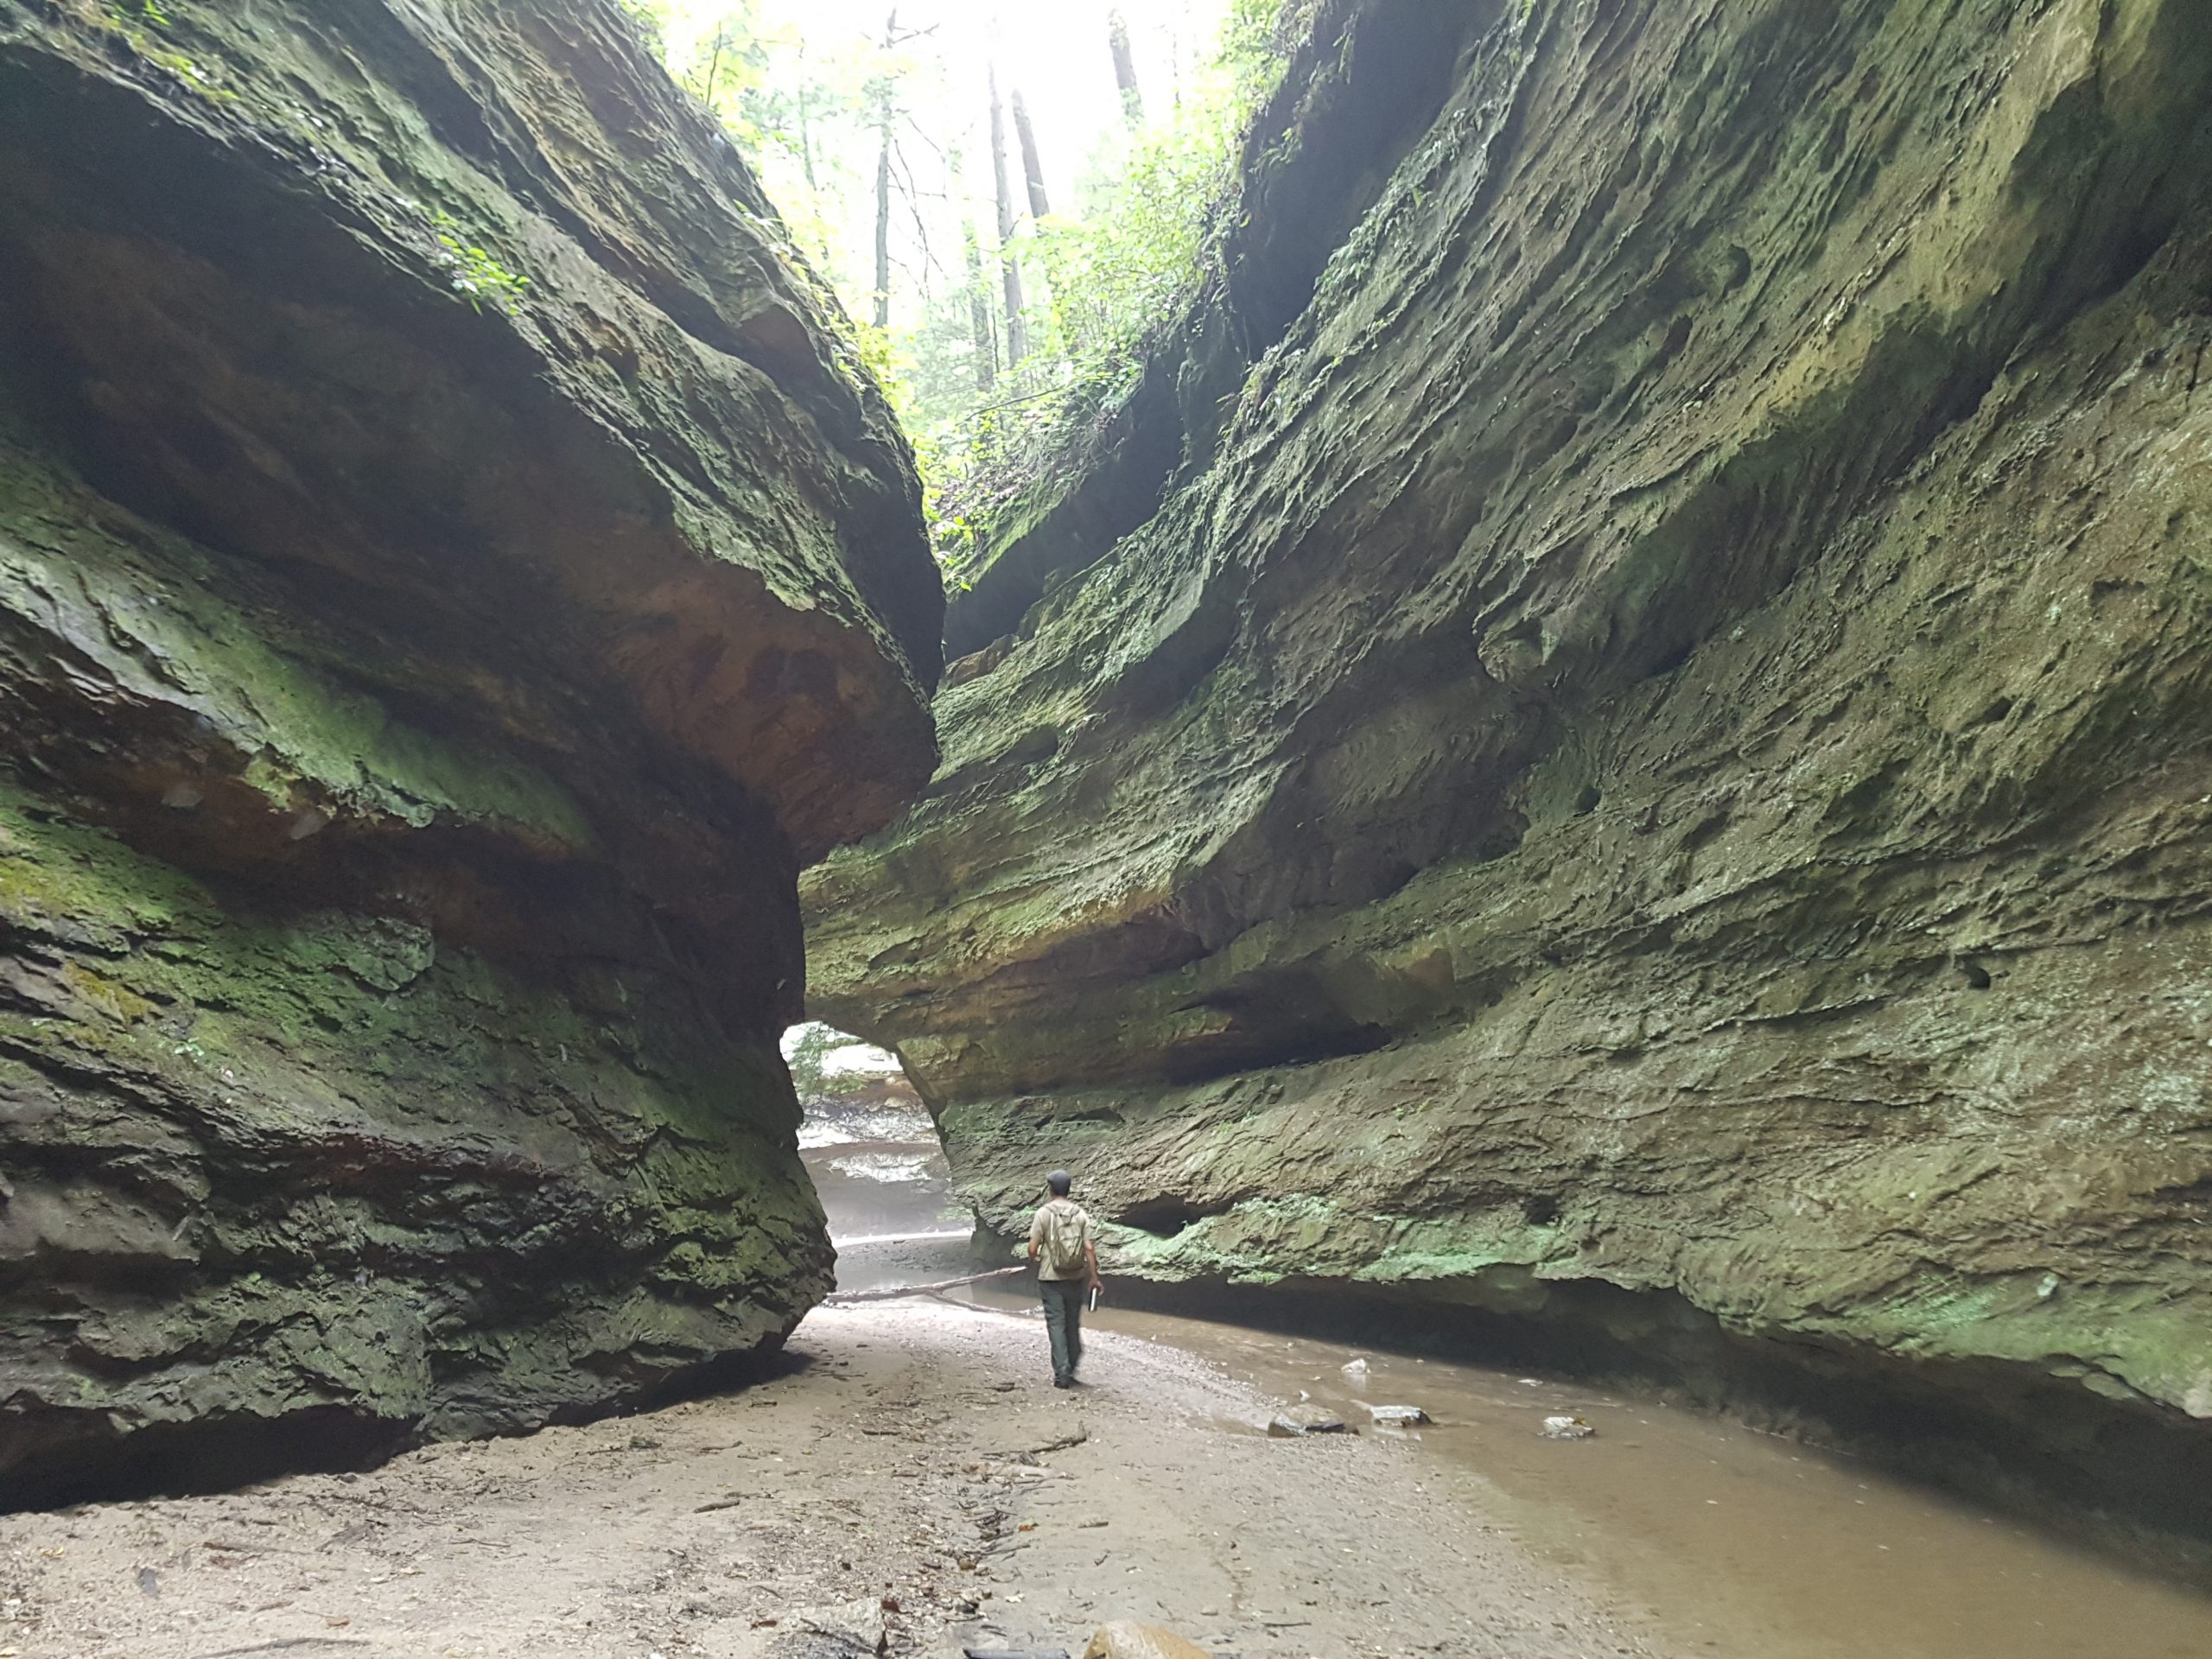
(451, 578)
(1652, 773)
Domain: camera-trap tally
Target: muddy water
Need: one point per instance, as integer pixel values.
(1738, 1543)
(1729, 1544)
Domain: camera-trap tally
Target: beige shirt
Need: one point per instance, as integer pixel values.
(1062, 1228)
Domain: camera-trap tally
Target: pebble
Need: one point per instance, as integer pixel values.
(1397, 1416)
(1296, 1421)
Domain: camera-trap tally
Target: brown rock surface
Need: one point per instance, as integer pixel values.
(1650, 778)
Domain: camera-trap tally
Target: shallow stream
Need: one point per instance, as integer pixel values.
(1725, 1541)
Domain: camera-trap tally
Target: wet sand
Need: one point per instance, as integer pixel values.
(1733, 1543)
(1702, 1537)
(909, 1459)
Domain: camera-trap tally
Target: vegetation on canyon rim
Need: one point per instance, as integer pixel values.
(1011, 208)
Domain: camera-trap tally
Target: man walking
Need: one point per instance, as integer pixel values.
(1065, 1250)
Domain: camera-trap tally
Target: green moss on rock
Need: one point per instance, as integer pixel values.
(421, 702)
(1657, 757)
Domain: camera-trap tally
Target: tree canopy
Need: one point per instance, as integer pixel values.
(1005, 205)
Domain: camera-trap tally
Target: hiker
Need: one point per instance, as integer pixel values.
(1065, 1251)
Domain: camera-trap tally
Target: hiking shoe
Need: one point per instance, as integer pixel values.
(1064, 1383)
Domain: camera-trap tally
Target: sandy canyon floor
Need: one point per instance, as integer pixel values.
(908, 1457)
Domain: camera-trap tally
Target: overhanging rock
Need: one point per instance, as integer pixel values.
(452, 577)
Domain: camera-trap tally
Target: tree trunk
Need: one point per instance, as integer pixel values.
(979, 312)
(806, 136)
(883, 231)
(1032, 168)
(883, 117)
(714, 70)
(1125, 67)
(1017, 331)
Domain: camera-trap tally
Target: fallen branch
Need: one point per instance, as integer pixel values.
(1065, 1443)
(844, 1297)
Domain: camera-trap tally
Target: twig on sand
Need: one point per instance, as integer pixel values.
(1066, 1442)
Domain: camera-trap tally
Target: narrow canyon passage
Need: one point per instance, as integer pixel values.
(1534, 676)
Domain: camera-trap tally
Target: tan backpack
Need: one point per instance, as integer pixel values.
(1059, 1240)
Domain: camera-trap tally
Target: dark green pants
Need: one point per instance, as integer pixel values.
(1064, 1319)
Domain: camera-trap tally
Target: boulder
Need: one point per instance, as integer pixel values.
(1397, 1416)
(453, 575)
(1293, 1421)
(1124, 1638)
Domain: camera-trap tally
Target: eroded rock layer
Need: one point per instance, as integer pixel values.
(1656, 741)
(451, 578)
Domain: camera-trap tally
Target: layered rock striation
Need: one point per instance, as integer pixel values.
(452, 577)
(1638, 764)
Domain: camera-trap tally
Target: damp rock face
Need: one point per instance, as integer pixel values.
(452, 578)
(1641, 764)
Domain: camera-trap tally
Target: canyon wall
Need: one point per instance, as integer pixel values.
(452, 578)
(1614, 739)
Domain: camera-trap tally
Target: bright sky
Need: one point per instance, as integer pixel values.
(1054, 51)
